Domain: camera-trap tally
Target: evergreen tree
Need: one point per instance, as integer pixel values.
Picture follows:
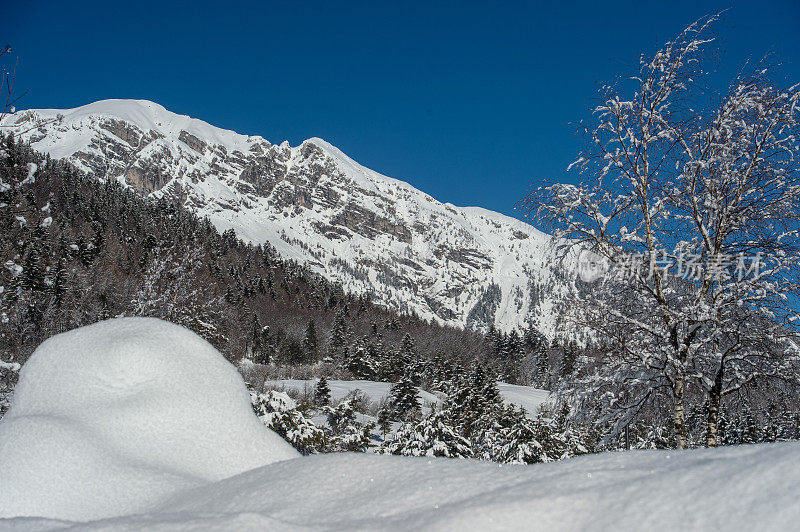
(310, 340)
(407, 349)
(404, 400)
(748, 429)
(385, 420)
(358, 361)
(433, 436)
(347, 434)
(59, 287)
(322, 392)
(514, 438)
(542, 359)
(278, 412)
(569, 359)
(255, 346)
(337, 341)
(294, 352)
(789, 426)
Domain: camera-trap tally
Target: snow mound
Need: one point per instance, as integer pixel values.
(108, 418)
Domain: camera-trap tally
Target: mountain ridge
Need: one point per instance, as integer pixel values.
(461, 266)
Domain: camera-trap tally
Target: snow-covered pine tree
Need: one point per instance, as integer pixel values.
(8, 377)
(403, 401)
(337, 340)
(279, 412)
(254, 347)
(790, 426)
(513, 438)
(359, 362)
(384, 420)
(392, 366)
(432, 436)
(322, 392)
(346, 432)
(749, 431)
(310, 342)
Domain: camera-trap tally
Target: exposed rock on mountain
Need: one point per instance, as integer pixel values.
(463, 266)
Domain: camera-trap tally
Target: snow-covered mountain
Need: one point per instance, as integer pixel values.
(463, 266)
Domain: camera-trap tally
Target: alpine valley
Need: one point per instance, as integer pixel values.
(459, 266)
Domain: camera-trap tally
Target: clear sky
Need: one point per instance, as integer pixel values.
(470, 102)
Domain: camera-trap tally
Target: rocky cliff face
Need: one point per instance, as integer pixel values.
(466, 267)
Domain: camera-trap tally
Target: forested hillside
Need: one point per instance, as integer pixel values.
(75, 251)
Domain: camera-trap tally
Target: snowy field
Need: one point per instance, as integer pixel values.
(375, 391)
(524, 396)
(134, 424)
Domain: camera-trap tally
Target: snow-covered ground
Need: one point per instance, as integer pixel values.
(525, 396)
(375, 391)
(745, 488)
(135, 424)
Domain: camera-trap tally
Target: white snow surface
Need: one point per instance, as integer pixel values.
(109, 418)
(744, 488)
(527, 397)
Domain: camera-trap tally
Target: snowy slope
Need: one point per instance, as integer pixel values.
(467, 267)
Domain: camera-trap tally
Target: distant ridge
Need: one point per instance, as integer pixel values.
(461, 266)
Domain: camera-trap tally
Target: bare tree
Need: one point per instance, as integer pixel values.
(7, 78)
(691, 203)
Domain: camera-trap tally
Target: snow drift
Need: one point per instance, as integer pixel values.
(742, 488)
(752, 487)
(111, 417)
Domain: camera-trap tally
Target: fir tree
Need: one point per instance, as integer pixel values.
(294, 352)
(513, 438)
(385, 420)
(255, 347)
(347, 434)
(433, 436)
(310, 340)
(404, 400)
(358, 361)
(569, 359)
(322, 392)
(278, 412)
(338, 336)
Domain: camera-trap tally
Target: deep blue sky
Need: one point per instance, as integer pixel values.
(470, 102)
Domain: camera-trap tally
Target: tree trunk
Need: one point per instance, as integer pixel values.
(680, 413)
(712, 422)
(714, 401)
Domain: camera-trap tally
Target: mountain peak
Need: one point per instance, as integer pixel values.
(467, 267)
